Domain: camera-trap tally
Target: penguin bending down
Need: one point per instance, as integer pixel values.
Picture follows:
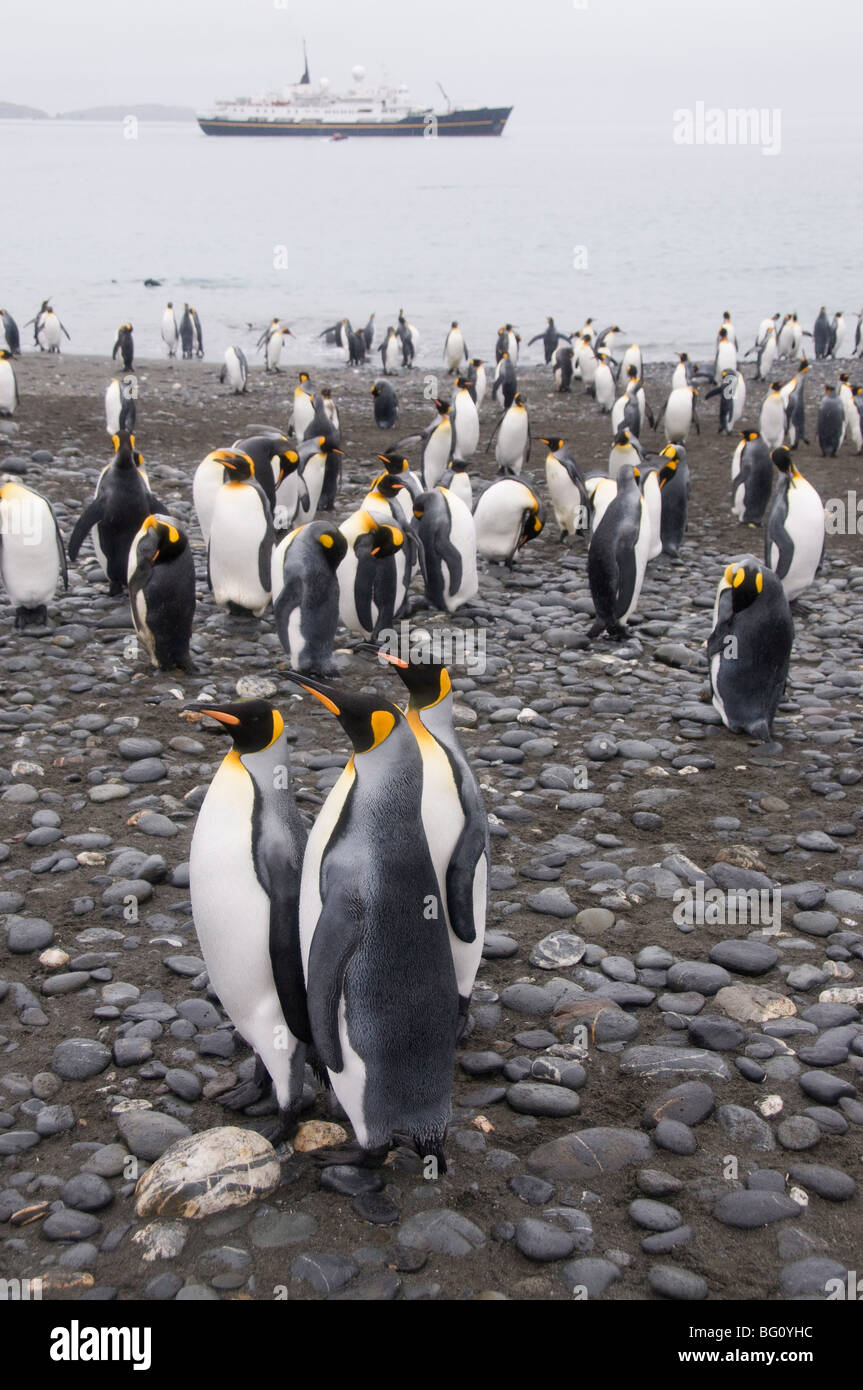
(453, 813)
(235, 370)
(617, 557)
(794, 539)
(374, 574)
(448, 538)
(566, 488)
(161, 581)
(386, 405)
(507, 516)
(674, 494)
(32, 555)
(244, 882)
(306, 595)
(749, 649)
(122, 503)
(751, 478)
(383, 999)
(241, 541)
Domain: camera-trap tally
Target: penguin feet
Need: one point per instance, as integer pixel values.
(352, 1156)
(114, 589)
(282, 1129)
(31, 617)
(247, 1093)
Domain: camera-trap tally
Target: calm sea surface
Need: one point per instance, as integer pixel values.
(608, 221)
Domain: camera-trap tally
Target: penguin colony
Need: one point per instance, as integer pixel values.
(360, 940)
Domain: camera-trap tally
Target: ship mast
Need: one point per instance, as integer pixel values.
(305, 80)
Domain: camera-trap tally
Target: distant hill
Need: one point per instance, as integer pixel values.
(117, 113)
(10, 112)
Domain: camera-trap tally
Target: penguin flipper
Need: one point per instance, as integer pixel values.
(91, 514)
(451, 558)
(284, 944)
(337, 936)
(61, 549)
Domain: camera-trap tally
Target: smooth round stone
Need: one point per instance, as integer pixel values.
(66, 983)
(558, 951)
(824, 1087)
(498, 945)
(77, 1059)
(481, 1063)
(376, 1208)
(198, 1175)
(698, 976)
(70, 1225)
(681, 1284)
(810, 1276)
(592, 1274)
(749, 1069)
(543, 1242)
(653, 1182)
(654, 1216)
(744, 957)
(535, 1191)
(815, 923)
(145, 770)
(184, 1084)
(54, 1119)
(798, 1132)
(86, 1192)
(441, 1231)
(148, 1133)
(675, 1137)
(26, 934)
(270, 1229)
(594, 919)
(664, 1241)
(688, 1104)
(746, 1210)
(535, 1098)
(132, 1052)
(717, 1034)
(829, 1183)
(134, 749)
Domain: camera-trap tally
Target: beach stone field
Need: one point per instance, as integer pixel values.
(644, 1108)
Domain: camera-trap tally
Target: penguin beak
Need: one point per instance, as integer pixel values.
(203, 707)
(374, 650)
(317, 688)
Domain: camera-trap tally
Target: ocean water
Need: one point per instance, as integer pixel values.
(604, 220)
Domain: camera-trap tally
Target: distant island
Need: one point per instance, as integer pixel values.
(9, 111)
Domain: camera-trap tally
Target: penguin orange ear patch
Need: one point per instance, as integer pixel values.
(759, 581)
(173, 535)
(115, 440)
(326, 541)
(383, 724)
(728, 574)
(739, 577)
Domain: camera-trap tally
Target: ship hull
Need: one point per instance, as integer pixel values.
(485, 121)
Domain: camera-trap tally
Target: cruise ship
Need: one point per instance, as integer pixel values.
(307, 109)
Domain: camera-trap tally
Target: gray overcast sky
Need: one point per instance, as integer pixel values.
(636, 58)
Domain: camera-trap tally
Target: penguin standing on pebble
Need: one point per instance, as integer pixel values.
(617, 557)
(732, 399)
(749, 649)
(751, 478)
(674, 487)
(122, 503)
(244, 882)
(32, 554)
(794, 539)
(771, 422)
(170, 331)
(161, 579)
(795, 405)
(512, 450)
(373, 575)
(549, 338)
(505, 380)
(447, 534)
(306, 595)
(383, 999)
(241, 539)
(10, 332)
(235, 370)
(391, 349)
(566, 488)
(453, 813)
(563, 369)
(454, 349)
(187, 333)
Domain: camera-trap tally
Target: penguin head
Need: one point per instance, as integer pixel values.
(776, 386)
(460, 465)
(253, 724)
(749, 436)
(784, 462)
(427, 679)
(829, 390)
(553, 444)
(368, 720)
(4, 354)
(332, 543)
(684, 356)
(442, 407)
(239, 467)
(395, 463)
(477, 361)
(745, 579)
(125, 453)
(723, 333)
(387, 485)
(289, 462)
(632, 372)
(622, 438)
(454, 323)
(518, 399)
(162, 540)
(804, 366)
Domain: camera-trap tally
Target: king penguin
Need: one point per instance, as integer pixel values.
(749, 649)
(794, 539)
(244, 881)
(566, 488)
(617, 557)
(306, 595)
(751, 478)
(122, 503)
(448, 538)
(240, 546)
(32, 555)
(161, 583)
(507, 515)
(453, 813)
(674, 492)
(382, 994)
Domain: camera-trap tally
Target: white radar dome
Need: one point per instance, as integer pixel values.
(358, 73)
(324, 84)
